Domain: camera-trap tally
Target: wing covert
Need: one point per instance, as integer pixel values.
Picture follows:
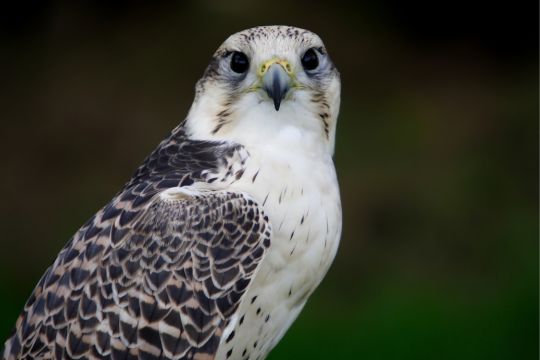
(160, 281)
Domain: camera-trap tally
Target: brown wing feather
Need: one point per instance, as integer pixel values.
(155, 282)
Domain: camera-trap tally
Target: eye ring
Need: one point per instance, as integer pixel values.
(239, 62)
(310, 60)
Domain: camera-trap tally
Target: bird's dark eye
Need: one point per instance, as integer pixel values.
(239, 62)
(310, 61)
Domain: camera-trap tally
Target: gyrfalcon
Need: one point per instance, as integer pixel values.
(212, 248)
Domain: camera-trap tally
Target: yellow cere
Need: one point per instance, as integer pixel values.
(264, 68)
(284, 64)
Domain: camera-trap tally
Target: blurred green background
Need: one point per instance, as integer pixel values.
(437, 156)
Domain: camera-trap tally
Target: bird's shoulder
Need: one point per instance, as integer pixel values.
(157, 271)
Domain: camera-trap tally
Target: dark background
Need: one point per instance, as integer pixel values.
(437, 156)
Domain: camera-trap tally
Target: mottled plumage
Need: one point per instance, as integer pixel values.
(211, 250)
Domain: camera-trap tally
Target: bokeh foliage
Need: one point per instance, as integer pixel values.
(437, 155)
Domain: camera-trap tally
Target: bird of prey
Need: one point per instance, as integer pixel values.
(213, 247)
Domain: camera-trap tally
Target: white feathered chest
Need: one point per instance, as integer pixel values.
(298, 188)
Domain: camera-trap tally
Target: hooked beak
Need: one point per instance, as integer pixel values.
(276, 82)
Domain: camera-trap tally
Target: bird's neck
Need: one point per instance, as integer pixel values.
(293, 131)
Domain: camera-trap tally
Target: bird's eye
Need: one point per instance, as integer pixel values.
(239, 62)
(310, 61)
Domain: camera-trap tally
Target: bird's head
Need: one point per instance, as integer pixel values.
(264, 81)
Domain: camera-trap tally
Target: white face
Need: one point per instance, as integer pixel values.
(264, 79)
